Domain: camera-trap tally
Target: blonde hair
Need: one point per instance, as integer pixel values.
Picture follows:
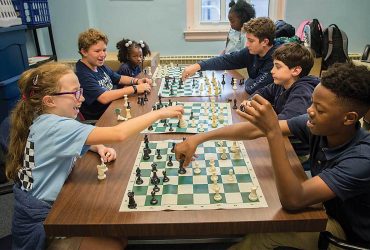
(34, 84)
(261, 27)
(90, 37)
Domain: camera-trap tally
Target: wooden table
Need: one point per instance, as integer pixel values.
(88, 207)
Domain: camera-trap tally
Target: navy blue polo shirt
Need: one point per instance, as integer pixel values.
(95, 83)
(346, 171)
(126, 69)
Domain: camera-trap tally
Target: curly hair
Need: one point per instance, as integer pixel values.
(126, 46)
(90, 37)
(351, 84)
(243, 10)
(261, 27)
(293, 55)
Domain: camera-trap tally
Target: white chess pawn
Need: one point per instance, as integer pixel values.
(214, 185)
(212, 167)
(197, 169)
(201, 129)
(128, 114)
(214, 177)
(182, 122)
(193, 124)
(253, 194)
(125, 98)
(234, 85)
(149, 71)
(224, 155)
(101, 172)
(217, 196)
(231, 175)
(214, 121)
(233, 147)
(103, 166)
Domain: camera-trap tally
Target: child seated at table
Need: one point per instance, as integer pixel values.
(340, 159)
(46, 141)
(131, 55)
(99, 82)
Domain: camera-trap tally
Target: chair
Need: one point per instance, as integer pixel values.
(327, 238)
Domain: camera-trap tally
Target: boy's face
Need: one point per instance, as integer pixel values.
(254, 45)
(326, 113)
(95, 55)
(136, 56)
(235, 22)
(282, 75)
(67, 105)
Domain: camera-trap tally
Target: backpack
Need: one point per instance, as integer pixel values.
(283, 29)
(334, 47)
(284, 39)
(310, 33)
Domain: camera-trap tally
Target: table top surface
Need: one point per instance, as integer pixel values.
(89, 207)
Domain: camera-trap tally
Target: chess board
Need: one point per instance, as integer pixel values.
(174, 71)
(191, 87)
(202, 114)
(192, 191)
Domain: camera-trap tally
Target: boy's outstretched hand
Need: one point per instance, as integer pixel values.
(261, 114)
(185, 150)
(107, 154)
(171, 112)
(189, 71)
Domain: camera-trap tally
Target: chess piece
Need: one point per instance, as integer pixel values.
(121, 118)
(165, 177)
(193, 124)
(147, 147)
(131, 200)
(125, 98)
(128, 113)
(234, 147)
(101, 172)
(159, 156)
(224, 155)
(181, 170)
(241, 82)
(150, 128)
(165, 123)
(214, 176)
(234, 85)
(220, 143)
(232, 81)
(191, 115)
(128, 105)
(223, 79)
(201, 129)
(214, 121)
(197, 170)
(253, 194)
(169, 102)
(231, 175)
(217, 196)
(154, 167)
(235, 106)
(212, 167)
(138, 181)
(156, 188)
(153, 201)
(103, 166)
(170, 129)
(170, 163)
(146, 155)
(173, 147)
(182, 122)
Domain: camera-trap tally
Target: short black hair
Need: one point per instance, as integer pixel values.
(350, 83)
(243, 10)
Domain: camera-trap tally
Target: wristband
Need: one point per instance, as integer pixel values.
(135, 89)
(137, 80)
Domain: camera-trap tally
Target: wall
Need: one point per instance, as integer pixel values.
(352, 16)
(161, 23)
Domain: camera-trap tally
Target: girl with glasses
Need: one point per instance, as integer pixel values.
(46, 140)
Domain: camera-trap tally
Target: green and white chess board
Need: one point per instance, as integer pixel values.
(192, 191)
(203, 115)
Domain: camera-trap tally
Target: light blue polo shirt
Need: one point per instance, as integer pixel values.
(56, 143)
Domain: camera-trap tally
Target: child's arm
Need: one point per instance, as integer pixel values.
(111, 95)
(107, 154)
(294, 191)
(120, 132)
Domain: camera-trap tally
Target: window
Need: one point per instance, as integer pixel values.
(207, 19)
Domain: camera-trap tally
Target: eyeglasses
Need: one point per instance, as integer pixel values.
(77, 93)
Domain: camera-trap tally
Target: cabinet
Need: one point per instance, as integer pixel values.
(14, 61)
(42, 58)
